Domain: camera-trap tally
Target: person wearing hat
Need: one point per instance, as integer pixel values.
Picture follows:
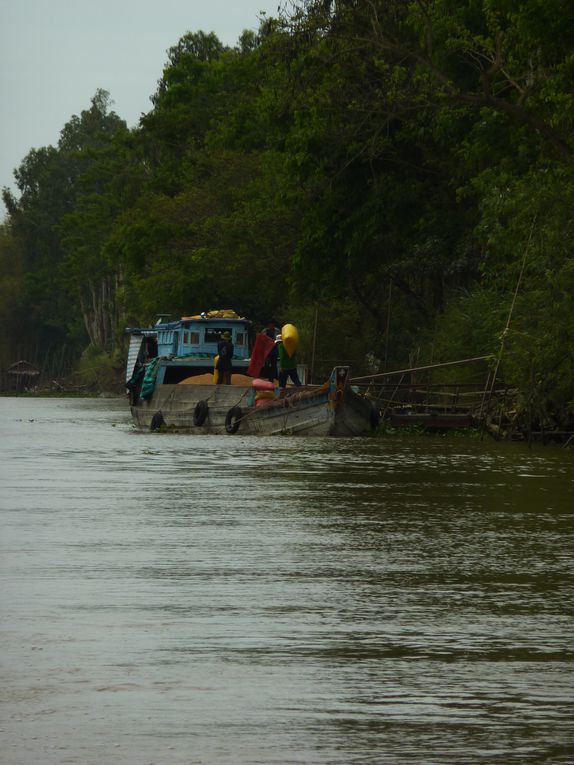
(225, 362)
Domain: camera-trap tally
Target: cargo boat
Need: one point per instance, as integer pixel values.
(171, 385)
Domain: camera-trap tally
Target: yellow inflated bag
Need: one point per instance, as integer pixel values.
(290, 338)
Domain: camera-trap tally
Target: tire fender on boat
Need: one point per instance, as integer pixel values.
(157, 421)
(375, 417)
(200, 413)
(233, 419)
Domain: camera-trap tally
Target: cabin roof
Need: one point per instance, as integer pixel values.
(187, 321)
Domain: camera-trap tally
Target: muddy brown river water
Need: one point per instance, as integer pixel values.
(224, 600)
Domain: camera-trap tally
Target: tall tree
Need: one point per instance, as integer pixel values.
(50, 184)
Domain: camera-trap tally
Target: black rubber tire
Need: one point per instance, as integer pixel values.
(375, 417)
(200, 413)
(157, 421)
(233, 420)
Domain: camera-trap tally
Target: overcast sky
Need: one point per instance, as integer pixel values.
(55, 54)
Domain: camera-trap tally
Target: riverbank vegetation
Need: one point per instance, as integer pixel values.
(396, 178)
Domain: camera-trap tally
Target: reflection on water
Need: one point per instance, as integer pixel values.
(179, 600)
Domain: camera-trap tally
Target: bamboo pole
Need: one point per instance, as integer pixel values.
(312, 370)
(392, 399)
(510, 312)
(388, 323)
(485, 409)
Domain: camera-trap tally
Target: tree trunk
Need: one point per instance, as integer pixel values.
(100, 312)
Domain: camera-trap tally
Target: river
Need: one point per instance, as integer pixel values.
(226, 600)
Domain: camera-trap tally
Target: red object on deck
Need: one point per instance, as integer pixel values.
(261, 349)
(266, 385)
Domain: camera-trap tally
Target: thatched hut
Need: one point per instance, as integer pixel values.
(22, 376)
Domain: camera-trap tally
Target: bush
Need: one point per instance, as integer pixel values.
(99, 371)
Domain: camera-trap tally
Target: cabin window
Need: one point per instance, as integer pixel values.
(186, 338)
(213, 334)
(240, 338)
(194, 338)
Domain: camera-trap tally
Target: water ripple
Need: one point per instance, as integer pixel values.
(232, 600)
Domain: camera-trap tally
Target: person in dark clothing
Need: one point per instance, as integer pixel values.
(269, 369)
(225, 362)
(271, 330)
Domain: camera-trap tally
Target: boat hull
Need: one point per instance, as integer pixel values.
(308, 411)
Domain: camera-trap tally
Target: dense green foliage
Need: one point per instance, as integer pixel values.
(392, 169)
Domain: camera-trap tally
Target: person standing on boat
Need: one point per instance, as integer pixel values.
(269, 368)
(287, 366)
(271, 329)
(225, 362)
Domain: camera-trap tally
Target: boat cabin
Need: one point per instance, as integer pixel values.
(187, 346)
(193, 337)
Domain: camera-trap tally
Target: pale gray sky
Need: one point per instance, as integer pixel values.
(55, 54)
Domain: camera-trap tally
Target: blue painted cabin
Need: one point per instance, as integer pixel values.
(187, 346)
